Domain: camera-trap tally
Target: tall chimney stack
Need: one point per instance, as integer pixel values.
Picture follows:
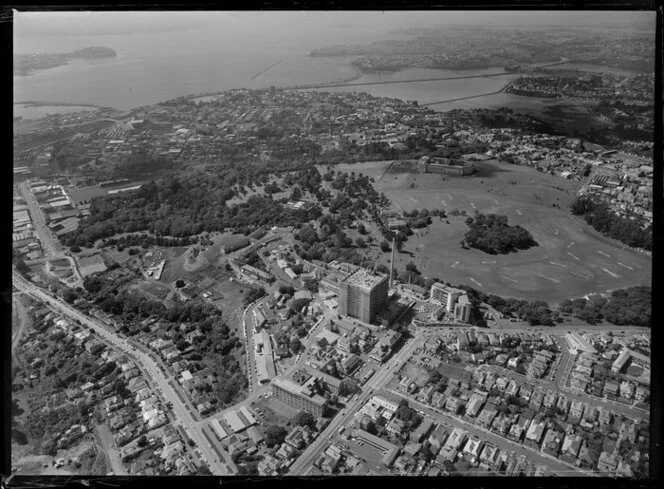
(394, 240)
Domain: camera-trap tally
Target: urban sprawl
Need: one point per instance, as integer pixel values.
(203, 338)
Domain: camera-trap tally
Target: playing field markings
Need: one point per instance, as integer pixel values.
(412, 198)
(558, 264)
(455, 264)
(573, 256)
(497, 203)
(614, 275)
(548, 278)
(471, 278)
(580, 275)
(518, 211)
(510, 279)
(626, 266)
(491, 262)
(604, 254)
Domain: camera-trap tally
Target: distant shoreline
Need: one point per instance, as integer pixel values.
(28, 64)
(31, 103)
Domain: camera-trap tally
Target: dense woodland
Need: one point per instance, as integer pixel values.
(186, 205)
(491, 234)
(599, 215)
(630, 306)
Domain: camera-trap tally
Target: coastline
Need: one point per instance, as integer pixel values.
(40, 103)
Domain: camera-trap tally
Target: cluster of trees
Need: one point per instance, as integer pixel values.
(600, 216)
(145, 241)
(47, 426)
(329, 243)
(228, 388)
(405, 413)
(253, 294)
(535, 312)
(18, 261)
(182, 206)
(492, 234)
(308, 180)
(303, 418)
(275, 435)
(631, 306)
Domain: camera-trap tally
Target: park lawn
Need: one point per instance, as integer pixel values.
(572, 259)
(154, 288)
(173, 270)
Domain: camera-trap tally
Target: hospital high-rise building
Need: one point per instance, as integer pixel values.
(362, 294)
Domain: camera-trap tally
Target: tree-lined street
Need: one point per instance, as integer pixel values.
(154, 375)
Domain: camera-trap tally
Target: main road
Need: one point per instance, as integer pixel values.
(303, 464)
(156, 376)
(51, 245)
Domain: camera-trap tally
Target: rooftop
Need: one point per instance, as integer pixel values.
(365, 280)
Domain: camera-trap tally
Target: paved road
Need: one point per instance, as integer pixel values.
(303, 464)
(154, 374)
(104, 439)
(248, 329)
(50, 245)
(497, 440)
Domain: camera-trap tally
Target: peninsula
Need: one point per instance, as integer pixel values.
(27, 64)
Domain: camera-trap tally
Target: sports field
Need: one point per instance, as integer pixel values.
(571, 260)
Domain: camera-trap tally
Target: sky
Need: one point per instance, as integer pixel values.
(105, 23)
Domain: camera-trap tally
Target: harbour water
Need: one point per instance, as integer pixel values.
(154, 66)
(151, 67)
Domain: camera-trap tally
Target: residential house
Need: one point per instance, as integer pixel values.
(286, 452)
(570, 448)
(626, 390)
(475, 403)
(487, 416)
(576, 410)
(422, 431)
(396, 426)
(534, 434)
(611, 388)
(512, 388)
(607, 462)
(552, 442)
(472, 449)
(488, 457)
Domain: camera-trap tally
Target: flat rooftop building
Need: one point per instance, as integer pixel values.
(362, 294)
(299, 396)
(445, 296)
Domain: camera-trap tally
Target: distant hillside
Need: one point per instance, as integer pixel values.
(26, 64)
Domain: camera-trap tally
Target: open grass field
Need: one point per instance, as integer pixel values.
(454, 372)
(275, 411)
(571, 260)
(156, 289)
(417, 374)
(120, 257)
(207, 273)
